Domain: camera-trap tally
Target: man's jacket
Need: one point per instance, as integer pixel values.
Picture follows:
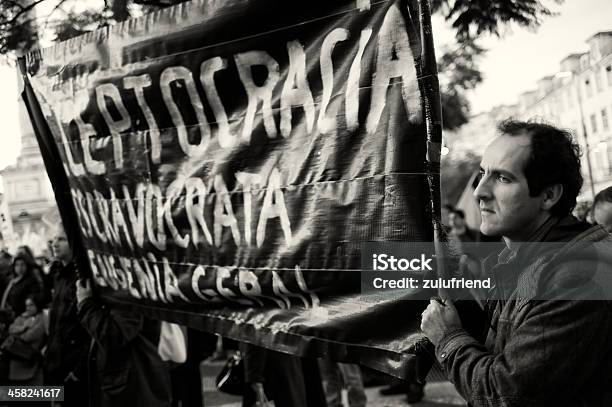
(540, 350)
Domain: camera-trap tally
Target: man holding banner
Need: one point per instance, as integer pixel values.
(550, 321)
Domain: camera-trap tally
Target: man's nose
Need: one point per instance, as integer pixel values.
(483, 190)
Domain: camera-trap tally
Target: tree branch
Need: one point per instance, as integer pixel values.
(58, 6)
(24, 10)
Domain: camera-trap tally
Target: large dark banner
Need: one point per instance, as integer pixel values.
(227, 160)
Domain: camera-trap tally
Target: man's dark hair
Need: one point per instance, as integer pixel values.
(554, 159)
(605, 195)
(26, 251)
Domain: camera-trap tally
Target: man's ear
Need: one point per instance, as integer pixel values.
(551, 196)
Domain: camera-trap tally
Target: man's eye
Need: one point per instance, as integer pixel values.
(503, 179)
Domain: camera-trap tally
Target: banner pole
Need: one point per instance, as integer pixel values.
(433, 122)
(55, 171)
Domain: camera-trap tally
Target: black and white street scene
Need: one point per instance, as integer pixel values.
(263, 203)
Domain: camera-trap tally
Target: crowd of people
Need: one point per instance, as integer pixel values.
(25, 292)
(55, 333)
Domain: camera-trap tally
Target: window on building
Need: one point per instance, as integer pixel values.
(598, 81)
(593, 124)
(605, 125)
(588, 88)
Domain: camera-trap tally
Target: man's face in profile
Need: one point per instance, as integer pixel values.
(61, 248)
(506, 208)
(602, 213)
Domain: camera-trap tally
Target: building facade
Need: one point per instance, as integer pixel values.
(28, 198)
(579, 98)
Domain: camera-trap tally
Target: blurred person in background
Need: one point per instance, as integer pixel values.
(461, 238)
(25, 366)
(459, 229)
(125, 366)
(185, 377)
(23, 283)
(288, 380)
(65, 362)
(583, 211)
(337, 376)
(44, 278)
(5, 270)
(602, 208)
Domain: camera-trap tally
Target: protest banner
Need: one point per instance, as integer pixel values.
(220, 164)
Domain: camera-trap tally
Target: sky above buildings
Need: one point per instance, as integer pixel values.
(516, 60)
(512, 64)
